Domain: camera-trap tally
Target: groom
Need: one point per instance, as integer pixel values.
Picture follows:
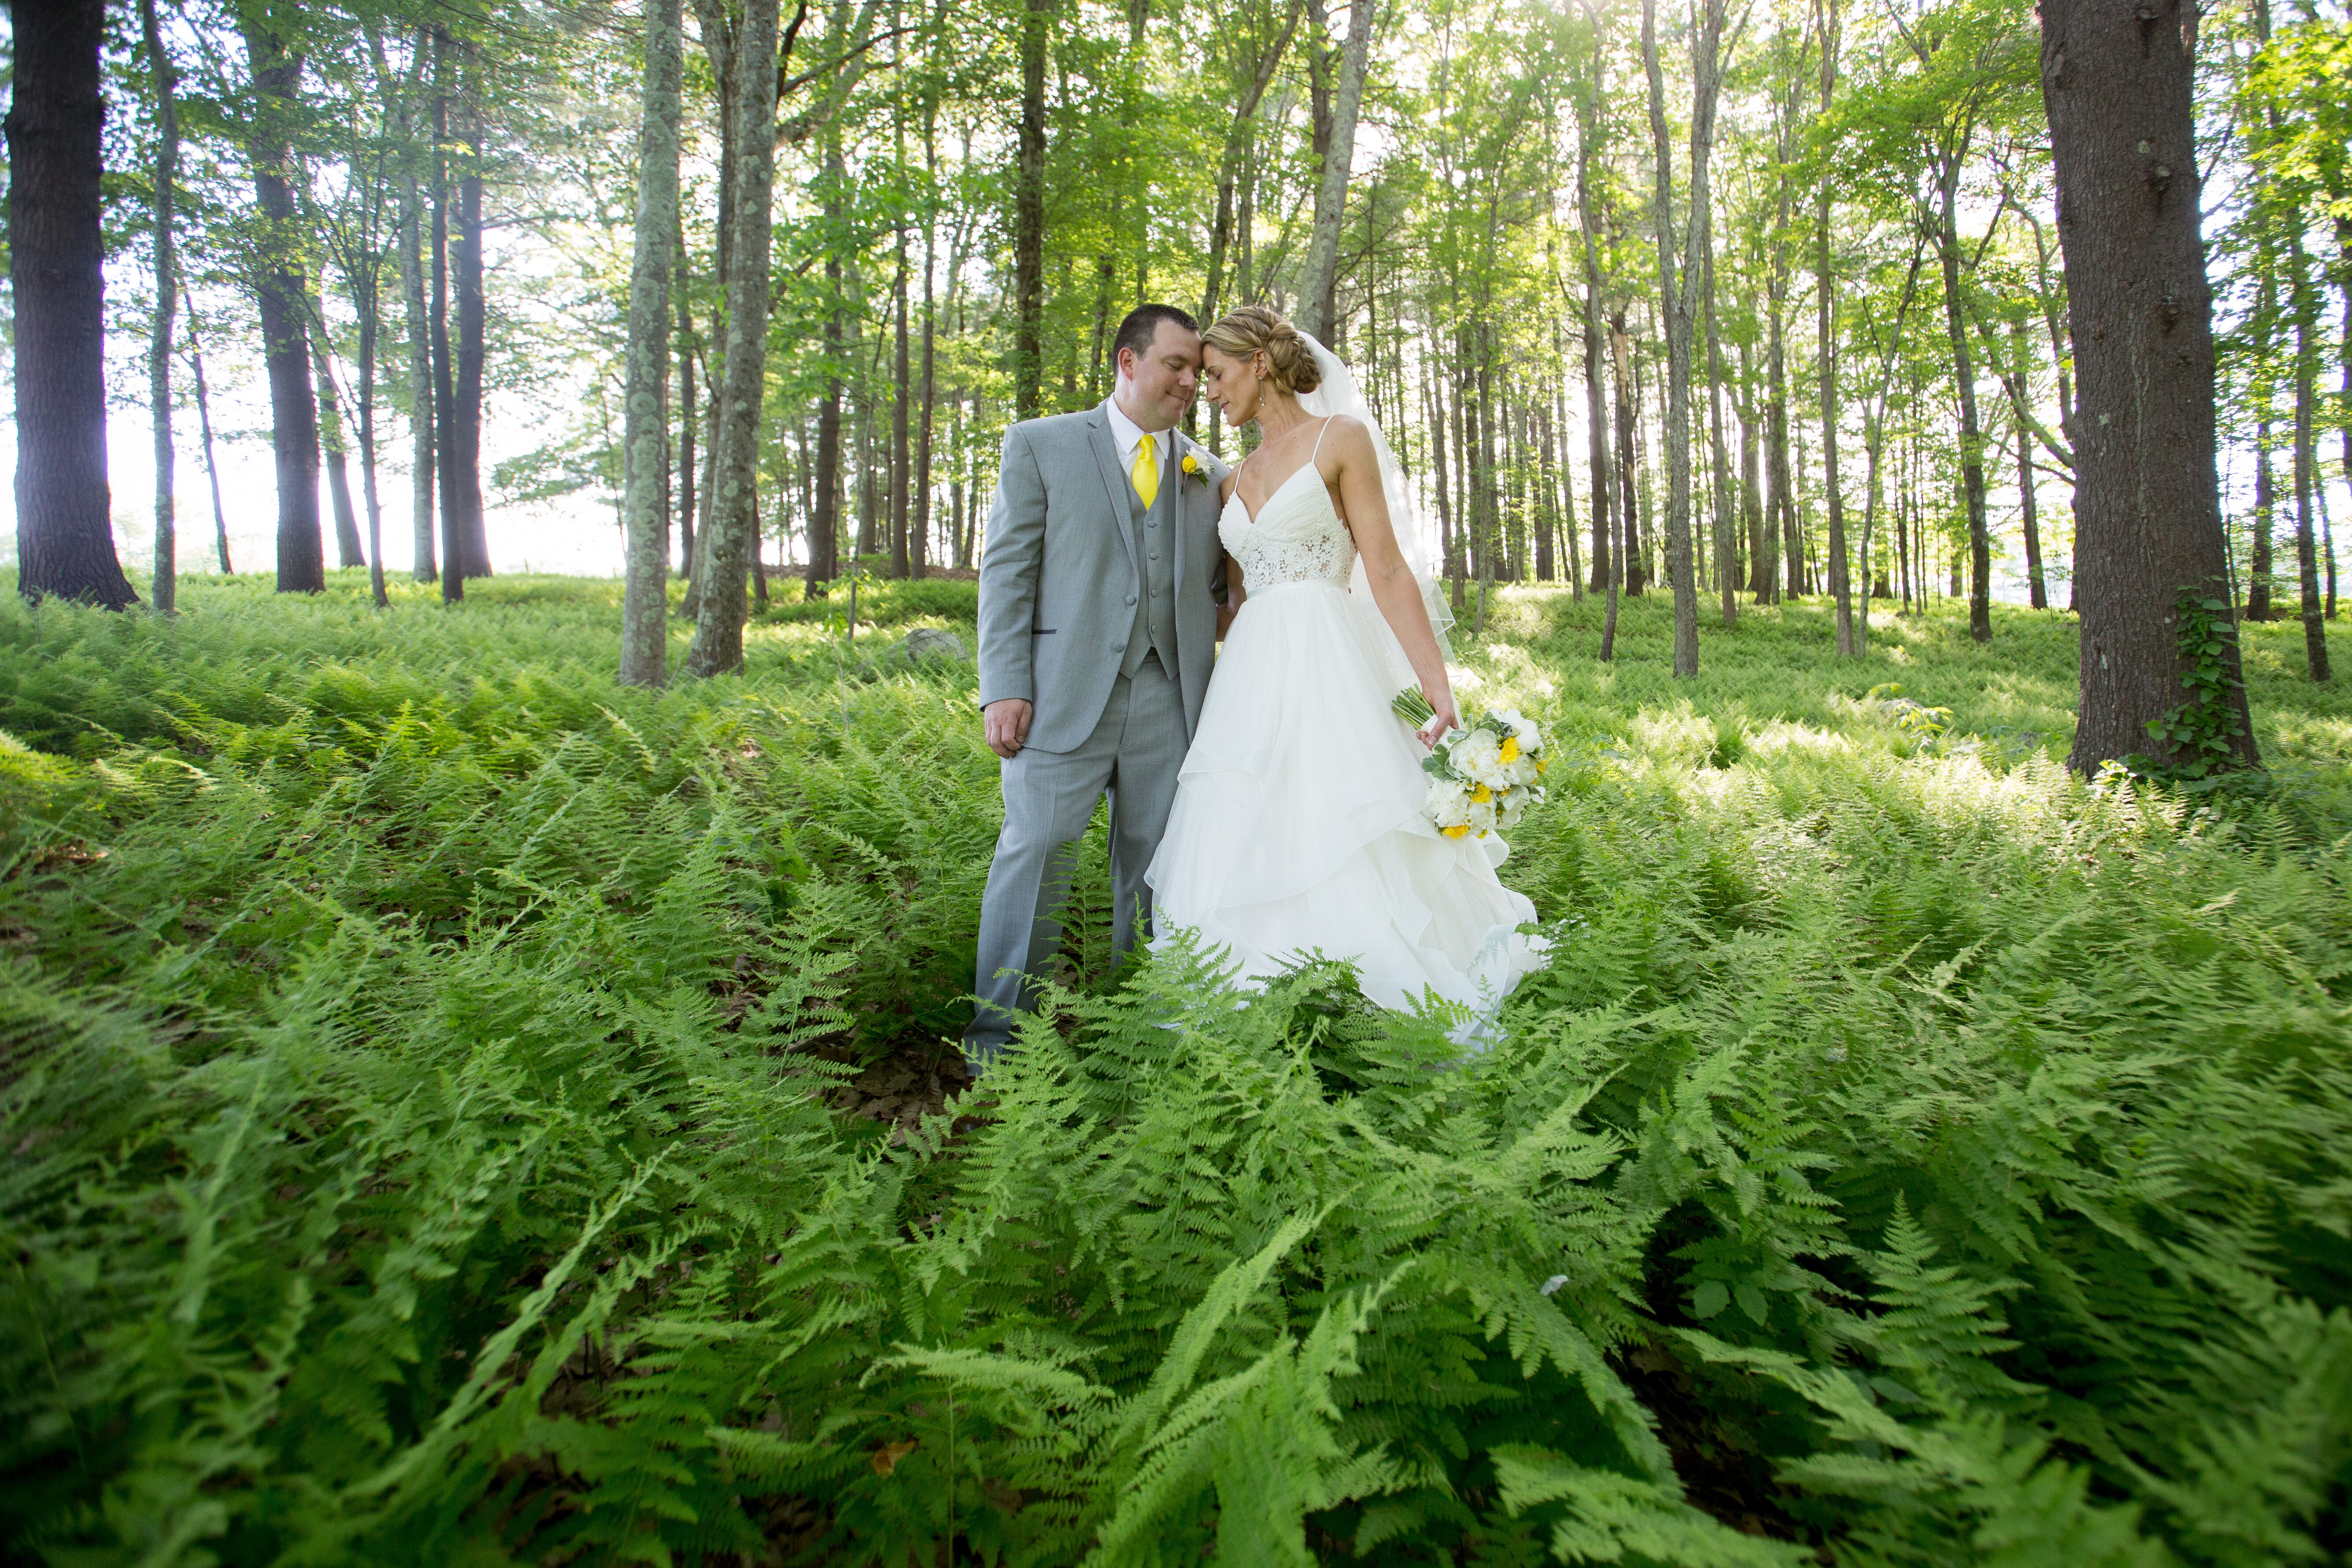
(1097, 625)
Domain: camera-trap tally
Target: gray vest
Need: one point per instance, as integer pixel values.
(1153, 533)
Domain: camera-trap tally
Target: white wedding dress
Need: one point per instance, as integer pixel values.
(1297, 824)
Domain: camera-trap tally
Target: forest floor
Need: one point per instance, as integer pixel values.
(507, 1105)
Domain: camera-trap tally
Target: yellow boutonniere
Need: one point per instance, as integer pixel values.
(1192, 466)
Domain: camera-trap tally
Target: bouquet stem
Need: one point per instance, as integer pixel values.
(1413, 707)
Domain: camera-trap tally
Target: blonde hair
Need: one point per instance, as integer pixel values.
(1290, 365)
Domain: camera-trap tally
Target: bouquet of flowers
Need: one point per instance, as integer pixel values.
(1483, 776)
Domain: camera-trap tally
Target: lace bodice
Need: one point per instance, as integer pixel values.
(1295, 537)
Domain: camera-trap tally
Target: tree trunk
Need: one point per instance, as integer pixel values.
(902, 390)
(280, 290)
(1677, 306)
(445, 381)
(1727, 570)
(464, 498)
(204, 426)
(1841, 584)
(1317, 284)
(1972, 477)
(2149, 503)
(718, 629)
(163, 591)
(1630, 556)
(2302, 296)
(825, 517)
(1548, 492)
(1029, 215)
(644, 597)
(348, 552)
(918, 543)
(686, 410)
(2264, 327)
(56, 121)
(420, 375)
(1776, 377)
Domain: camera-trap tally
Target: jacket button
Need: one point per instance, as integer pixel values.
(1130, 599)
(1118, 647)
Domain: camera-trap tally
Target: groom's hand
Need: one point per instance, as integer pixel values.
(1007, 720)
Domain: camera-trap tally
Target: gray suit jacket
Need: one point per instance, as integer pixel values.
(1059, 579)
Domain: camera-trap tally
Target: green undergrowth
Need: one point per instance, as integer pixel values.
(415, 1049)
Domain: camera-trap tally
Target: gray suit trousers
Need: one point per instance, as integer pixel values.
(1134, 753)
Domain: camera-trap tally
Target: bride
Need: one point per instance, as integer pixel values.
(1297, 826)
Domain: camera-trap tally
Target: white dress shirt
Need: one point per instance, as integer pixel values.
(1128, 435)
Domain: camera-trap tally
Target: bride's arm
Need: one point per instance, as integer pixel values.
(1364, 507)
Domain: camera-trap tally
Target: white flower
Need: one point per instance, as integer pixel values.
(1448, 804)
(1480, 816)
(1478, 754)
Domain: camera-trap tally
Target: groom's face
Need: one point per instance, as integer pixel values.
(1161, 380)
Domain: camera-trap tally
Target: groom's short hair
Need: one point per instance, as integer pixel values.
(1142, 325)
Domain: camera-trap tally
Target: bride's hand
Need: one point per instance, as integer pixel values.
(1443, 719)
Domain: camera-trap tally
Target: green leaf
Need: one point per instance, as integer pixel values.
(1709, 1299)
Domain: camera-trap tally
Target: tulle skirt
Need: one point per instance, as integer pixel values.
(1297, 826)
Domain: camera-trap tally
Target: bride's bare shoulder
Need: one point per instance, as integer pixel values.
(1348, 440)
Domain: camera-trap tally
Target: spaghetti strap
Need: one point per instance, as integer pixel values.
(1319, 439)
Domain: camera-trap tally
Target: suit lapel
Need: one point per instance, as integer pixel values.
(1178, 452)
(1115, 482)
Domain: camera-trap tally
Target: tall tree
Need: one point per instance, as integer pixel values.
(1029, 215)
(645, 596)
(719, 627)
(1318, 279)
(280, 291)
(2117, 81)
(1841, 589)
(65, 539)
(1678, 301)
(163, 589)
(462, 494)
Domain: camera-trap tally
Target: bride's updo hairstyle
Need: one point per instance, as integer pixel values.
(1290, 365)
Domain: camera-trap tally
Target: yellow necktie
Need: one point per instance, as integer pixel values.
(1146, 472)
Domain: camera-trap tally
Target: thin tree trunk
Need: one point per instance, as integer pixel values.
(463, 498)
(1318, 282)
(348, 552)
(1726, 544)
(2118, 88)
(918, 545)
(687, 411)
(2263, 328)
(204, 425)
(163, 591)
(444, 380)
(644, 597)
(1776, 413)
(420, 367)
(1630, 557)
(902, 390)
(1841, 584)
(1676, 304)
(1972, 476)
(718, 629)
(2303, 298)
(280, 294)
(1029, 215)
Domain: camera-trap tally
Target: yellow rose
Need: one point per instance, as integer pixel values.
(1191, 465)
(1482, 795)
(1510, 750)
(1457, 832)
